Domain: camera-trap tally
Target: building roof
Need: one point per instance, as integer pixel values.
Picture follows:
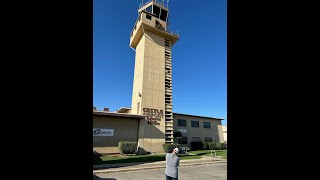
(122, 109)
(106, 113)
(197, 116)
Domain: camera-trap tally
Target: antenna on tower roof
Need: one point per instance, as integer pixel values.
(141, 4)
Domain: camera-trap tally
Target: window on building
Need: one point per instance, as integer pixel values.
(183, 140)
(156, 11)
(198, 139)
(206, 125)
(182, 122)
(163, 15)
(177, 134)
(207, 139)
(148, 16)
(195, 124)
(149, 9)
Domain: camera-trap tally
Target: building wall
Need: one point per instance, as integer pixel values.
(149, 82)
(125, 129)
(220, 133)
(224, 129)
(215, 130)
(149, 96)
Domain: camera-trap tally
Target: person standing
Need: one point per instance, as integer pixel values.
(172, 163)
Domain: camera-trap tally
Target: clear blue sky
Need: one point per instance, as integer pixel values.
(199, 58)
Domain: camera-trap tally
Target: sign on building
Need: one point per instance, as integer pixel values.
(182, 130)
(102, 132)
(153, 116)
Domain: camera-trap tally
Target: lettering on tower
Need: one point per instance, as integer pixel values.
(153, 115)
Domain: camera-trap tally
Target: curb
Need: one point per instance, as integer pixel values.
(154, 167)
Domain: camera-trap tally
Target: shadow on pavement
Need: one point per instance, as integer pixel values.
(99, 178)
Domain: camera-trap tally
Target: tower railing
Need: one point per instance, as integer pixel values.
(158, 2)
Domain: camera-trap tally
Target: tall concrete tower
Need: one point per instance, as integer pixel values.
(152, 86)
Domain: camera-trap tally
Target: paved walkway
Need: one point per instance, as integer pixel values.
(123, 167)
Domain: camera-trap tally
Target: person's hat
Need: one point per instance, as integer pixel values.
(176, 150)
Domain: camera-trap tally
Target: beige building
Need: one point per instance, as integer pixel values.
(111, 127)
(197, 128)
(150, 121)
(224, 130)
(152, 85)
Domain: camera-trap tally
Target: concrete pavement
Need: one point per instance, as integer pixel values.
(206, 171)
(125, 167)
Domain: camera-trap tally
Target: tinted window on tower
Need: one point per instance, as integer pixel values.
(163, 15)
(149, 9)
(156, 11)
